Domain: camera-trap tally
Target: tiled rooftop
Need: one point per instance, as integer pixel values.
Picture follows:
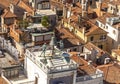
(3, 81)
(68, 38)
(106, 15)
(84, 68)
(115, 2)
(111, 74)
(8, 14)
(82, 24)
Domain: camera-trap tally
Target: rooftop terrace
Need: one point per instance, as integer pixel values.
(6, 61)
(51, 63)
(45, 12)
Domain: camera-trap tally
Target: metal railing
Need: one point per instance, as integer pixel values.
(89, 77)
(53, 69)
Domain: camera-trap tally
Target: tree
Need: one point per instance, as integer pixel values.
(45, 21)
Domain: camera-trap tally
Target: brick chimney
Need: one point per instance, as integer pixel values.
(11, 8)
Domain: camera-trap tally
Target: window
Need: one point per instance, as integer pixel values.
(111, 7)
(100, 46)
(91, 38)
(106, 27)
(101, 25)
(75, 49)
(96, 23)
(75, 31)
(33, 58)
(30, 55)
(45, 5)
(102, 37)
(114, 32)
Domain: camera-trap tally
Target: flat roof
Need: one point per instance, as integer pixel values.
(38, 34)
(54, 62)
(45, 12)
(7, 61)
(35, 25)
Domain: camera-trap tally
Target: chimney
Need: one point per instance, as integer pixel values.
(55, 9)
(12, 8)
(64, 11)
(94, 53)
(83, 1)
(84, 8)
(79, 19)
(25, 15)
(99, 7)
(84, 29)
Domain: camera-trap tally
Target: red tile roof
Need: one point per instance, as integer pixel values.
(8, 14)
(111, 74)
(3, 81)
(84, 68)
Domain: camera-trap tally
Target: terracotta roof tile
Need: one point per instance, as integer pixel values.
(115, 2)
(3, 81)
(25, 6)
(80, 26)
(106, 15)
(84, 68)
(90, 45)
(6, 3)
(8, 14)
(68, 38)
(111, 74)
(18, 31)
